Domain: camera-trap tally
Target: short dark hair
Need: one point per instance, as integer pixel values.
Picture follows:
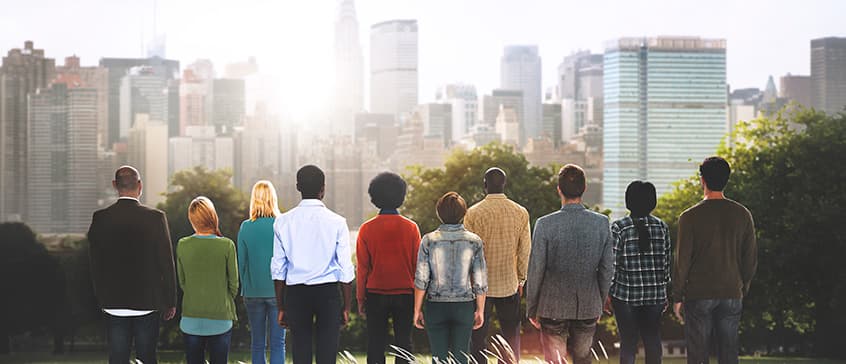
(387, 190)
(715, 171)
(571, 181)
(127, 179)
(451, 208)
(495, 180)
(310, 180)
(641, 198)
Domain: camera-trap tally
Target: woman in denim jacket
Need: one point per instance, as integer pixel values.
(451, 274)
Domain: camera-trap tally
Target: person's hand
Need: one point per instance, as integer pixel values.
(169, 313)
(418, 320)
(280, 318)
(520, 291)
(361, 310)
(666, 304)
(608, 309)
(478, 319)
(346, 317)
(677, 309)
(534, 321)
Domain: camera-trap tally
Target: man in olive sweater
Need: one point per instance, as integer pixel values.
(715, 259)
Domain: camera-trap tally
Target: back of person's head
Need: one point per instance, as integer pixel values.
(571, 181)
(387, 190)
(495, 180)
(203, 216)
(263, 201)
(715, 171)
(641, 200)
(451, 208)
(310, 181)
(127, 180)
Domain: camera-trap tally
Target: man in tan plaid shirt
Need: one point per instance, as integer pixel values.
(503, 226)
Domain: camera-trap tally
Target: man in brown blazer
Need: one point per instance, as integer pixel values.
(132, 270)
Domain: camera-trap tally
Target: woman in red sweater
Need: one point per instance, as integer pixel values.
(386, 251)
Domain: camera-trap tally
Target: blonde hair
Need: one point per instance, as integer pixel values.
(263, 201)
(203, 216)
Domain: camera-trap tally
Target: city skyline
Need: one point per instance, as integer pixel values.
(462, 45)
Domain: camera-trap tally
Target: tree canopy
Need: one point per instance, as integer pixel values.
(788, 170)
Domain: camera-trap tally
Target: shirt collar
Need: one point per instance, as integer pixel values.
(572, 207)
(310, 202)
(496, 196)
(451, 227)
(128, 198)
(388, 212)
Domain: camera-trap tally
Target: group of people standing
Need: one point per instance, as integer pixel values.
(295, 271)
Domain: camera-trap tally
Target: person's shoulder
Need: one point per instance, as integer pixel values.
(658, 221)
(622, 223)
(691, 211)
(185, 240)
(548, 219)
(516, 206)
(472, 237)
(739, 207)
(335, 217)
(409, 223)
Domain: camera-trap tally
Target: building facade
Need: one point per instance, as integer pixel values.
(828, 74)
(349, 69)
(795, 88)
(147, 150)
(465, 107)
(228, 105)
(659, 123)
(393, 67)
(144, 90)
(74, 74)
(520, 69)
(200, 147)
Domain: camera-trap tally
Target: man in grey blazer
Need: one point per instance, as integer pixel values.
(570, 270)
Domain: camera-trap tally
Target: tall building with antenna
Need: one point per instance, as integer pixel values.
(349, 69)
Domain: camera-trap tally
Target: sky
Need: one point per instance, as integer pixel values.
(460, 40)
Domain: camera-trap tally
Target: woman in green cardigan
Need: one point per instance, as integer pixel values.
(204, 262)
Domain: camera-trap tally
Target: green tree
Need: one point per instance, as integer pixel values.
(232, 208)
(463, 172)
(788, 170)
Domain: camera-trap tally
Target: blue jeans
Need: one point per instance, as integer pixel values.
(635, 323)
(262, 313)
(720, 316)
(143, 330)
(557, 336)
(217, 346)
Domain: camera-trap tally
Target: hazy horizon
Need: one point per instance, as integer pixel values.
(459, 41)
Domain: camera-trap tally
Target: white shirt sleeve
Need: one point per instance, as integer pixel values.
(279, 262)
(343, 252)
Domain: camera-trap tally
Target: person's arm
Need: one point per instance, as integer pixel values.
(668, 255)
(605, 271)
(479, 279)
(166, 266)
(681, 258)
(232, 270)
(243, 255)
(418, 320)
(279, 287)
(362, 255)
(279, 272)
(537, 267)
(421, 282)
(749, 256)
(94, 253)
(180, 268)
(343, 252)
(524, 248)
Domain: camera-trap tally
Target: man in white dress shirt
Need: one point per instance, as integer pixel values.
(312, 271)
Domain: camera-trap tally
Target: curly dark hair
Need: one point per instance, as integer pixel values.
(387, 190)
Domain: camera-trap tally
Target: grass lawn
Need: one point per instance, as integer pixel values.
(174, 357)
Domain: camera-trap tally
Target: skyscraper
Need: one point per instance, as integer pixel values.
(349, 69)
(795, 88)
(118, 68)
(97, 78)
(147, 144)
(200, 147)
(465, 106)
(22, 72)
(491, 104)
(520, 69)
(579, 90)
(658, 125)
(144, 90)
(393, 67)
(437, 121)
(194, 96)
(229, 104)
(828, 74)
(62, 158)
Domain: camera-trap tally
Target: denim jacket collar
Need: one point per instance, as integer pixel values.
(451, 227)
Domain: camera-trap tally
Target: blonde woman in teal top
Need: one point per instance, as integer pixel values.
(204, 261)
(255, 249)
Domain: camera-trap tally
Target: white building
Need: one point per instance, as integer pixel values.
(200, 147)
(507, 126)
(144, 90)
(520, 69)
(465, 106)
(349, 70)
(147, 145)
(393, 67)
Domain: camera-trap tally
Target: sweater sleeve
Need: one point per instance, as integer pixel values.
(232, 269)
(682, 257)
(362, 256)
(243, 254)
(748, 255)
(537, 267)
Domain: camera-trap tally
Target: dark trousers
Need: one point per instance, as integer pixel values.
(558, 337)
(508, 313)
(217, 346)
(449, 325)
(635, 323)
(143, 330)
(701, 317)
(314, 312)
(378, 308)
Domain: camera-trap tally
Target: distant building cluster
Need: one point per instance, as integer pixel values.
(645, 108)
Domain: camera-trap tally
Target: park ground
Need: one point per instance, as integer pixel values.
(175, 357)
